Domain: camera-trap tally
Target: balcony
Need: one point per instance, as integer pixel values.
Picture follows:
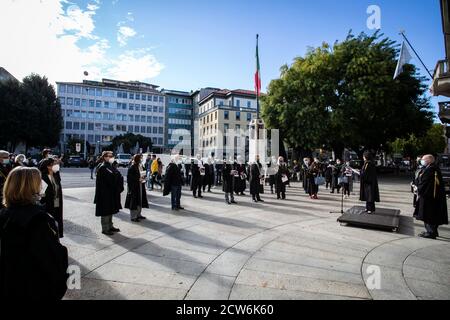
(444, 112)
(441, 79)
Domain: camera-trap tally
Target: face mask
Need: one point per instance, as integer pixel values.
(423, 163)
(55, 168)
(111, 160)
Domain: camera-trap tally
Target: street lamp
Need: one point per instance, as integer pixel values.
(85, 74)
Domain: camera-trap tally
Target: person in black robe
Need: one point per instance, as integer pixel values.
(255, 177)
(218, 170)
(313, 172)
(281, 178)
(240, 177)
(228, 173)
(431, 205)
(369, 191)
(120, 182)
(197, 177)
(53, 198)
(415, 180)
(137, 194)
(187, 174)
(305, 176)
(106, 189)
(208, 179)
(335, 174)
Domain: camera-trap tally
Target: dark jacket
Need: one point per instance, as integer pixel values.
(227, 178)
(120, 188)
(137, 194)
(369, 191)
(197, 178)
(431, 206)
(255, 173)
(209, 174)
(280, 186)
(33, 264)
(240, 182)
(174, 178)
(49, 201)
(106, 191)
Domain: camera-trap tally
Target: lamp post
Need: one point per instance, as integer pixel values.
(85, 74)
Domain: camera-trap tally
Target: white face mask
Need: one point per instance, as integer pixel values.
(55, 168)
(423, 163)
(111, 160)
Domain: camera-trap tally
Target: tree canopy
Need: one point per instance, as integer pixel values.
(345, 96)
(129, 141)
(30, 113)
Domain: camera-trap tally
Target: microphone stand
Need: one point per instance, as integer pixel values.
(342, 202)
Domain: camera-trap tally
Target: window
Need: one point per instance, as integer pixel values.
(70, 101)
(131, 117)
(91, 92)
(62, 100)
(138, 96)
(238, 102)
(238, 116)
(136, 129)
(69, 125)
(91, 115)
(77, 102)
(142, 129)
(144, 97)
(76, 126)
(149, 98)
(155, 119)
(77, 89)
(160, 141)
(155, 130)
(161, 99)
(143, 108)
(155, 98)
(62, 88)
(69, 89)
(226, 126)
(98, 116)
(83, 126)
(143, 118)
(160, 120)
(226, 115)
(221, 103)
(161, 109)
(98, 104)
(161, 130)
(249, 116)
(90, 126)
(249, 104)
(149, 129)
(155, 109)
(131, 95)
(130, 129)
(84, 103)
(137, 107)
(92, 103)
(131, 106)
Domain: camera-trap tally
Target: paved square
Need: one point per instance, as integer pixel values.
(291, 249)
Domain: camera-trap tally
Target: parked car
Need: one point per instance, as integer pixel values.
(123, 159)
(75, 161)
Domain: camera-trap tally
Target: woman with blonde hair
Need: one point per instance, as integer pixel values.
(33, 263)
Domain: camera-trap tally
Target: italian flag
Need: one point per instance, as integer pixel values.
(258, 71)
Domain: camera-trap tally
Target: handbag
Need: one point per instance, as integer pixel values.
(342, 180)
(284, 178)
(320, 181)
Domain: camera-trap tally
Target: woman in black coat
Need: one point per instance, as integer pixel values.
(282, 174)
(53, 198)
(137, 195)
(240, 178)
(255, 175)
(369, 191)
(33, 263)
(106, 190)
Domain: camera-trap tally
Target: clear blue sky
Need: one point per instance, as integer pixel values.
(189, 44)
(212, 43)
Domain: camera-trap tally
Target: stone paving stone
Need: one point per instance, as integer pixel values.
(256, 264)
(160, 263)
(169, 241)
(93, 289)
(175, 253)
(211, 287)
(392, 284)
(272, 255)
(141, 275)
(229, 263)
(245, 292)
(289, 282)
(427, 275)
(429, 290)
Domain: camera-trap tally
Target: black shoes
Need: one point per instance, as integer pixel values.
(234, 202)
(108, 233)
(142, 218)
(427, 235)
(114, 229)
(135, 220)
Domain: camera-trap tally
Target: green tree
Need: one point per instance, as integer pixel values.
(129, 141)
(30, 113)
(345, 96)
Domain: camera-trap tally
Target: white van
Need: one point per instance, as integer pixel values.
(123, 159)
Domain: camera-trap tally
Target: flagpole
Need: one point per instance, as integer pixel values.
(418, 57)
(257, 93)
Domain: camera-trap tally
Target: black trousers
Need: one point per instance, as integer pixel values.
(370, 206)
